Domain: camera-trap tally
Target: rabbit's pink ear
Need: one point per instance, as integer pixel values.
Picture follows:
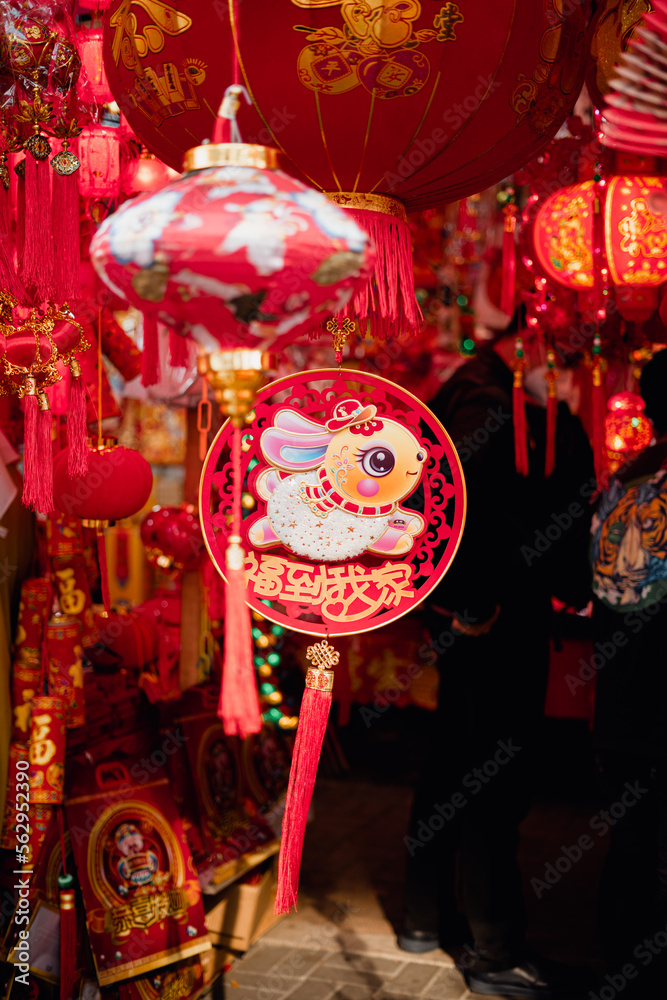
(294, 452)
(296, 423)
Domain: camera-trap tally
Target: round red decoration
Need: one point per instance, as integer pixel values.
(118, 483)
(359, 502)
(172, 538)
(389, 96)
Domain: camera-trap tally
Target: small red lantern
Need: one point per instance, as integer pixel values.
(145, 175)
(99, 152)
(96, 86)
(118, 484)
(635, 240)
(628, 430)
(173, 538)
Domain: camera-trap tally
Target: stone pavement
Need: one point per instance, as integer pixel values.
(341, 944)
(343, 967)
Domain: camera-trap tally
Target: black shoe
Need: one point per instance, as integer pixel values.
(418, 942)
(537, 978)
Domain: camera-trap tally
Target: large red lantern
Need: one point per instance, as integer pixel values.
(391, 96)
(386, 106)
(635, 240)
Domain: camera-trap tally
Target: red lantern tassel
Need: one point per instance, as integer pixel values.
(179, 355)
(37, 259)
(19, 170)
(552, 414)
(519, 411)
(104, 570)
(45, 456)
(310, 734)
(150, 360)
(30, 461)
(68, 940)
(599, 405)
(66, 226)
(508, 287)
(8, 276)
(77, 425)
(239, 702)
(388, 299)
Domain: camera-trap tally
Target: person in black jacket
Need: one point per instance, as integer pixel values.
(525, 539)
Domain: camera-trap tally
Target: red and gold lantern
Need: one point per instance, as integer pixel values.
(387, 106)
(635, 241)
(628, 430)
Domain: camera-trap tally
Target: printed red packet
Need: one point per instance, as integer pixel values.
(138, 880)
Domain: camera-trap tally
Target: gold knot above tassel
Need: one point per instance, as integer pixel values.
(323, 656)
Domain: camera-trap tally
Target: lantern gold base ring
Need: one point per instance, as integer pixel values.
(359, 200)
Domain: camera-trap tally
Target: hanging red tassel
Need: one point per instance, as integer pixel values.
(179, 354)
(508, 286)
(552, 414)
(77, 426)
(239, 702)
(45, 456)
(519, 411)
(599, 407)
(65, 224)
(310, 733)
(68, 938)
(30, 461)
(104, 570)
(37, 259)
(150, 360)
(8, 277)
(388, 298)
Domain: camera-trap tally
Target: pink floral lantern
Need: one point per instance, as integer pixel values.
(235, 253)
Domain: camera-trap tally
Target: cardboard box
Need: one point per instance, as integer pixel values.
(244, 912)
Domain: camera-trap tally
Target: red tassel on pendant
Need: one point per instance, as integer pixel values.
(519, 411)
(45, 456)
(77, 426)
(37, 261)
(599, 407)
(8, 277)
(552, 414)
(104, 570)
(68, 940)
(179, 354)
(66, 225)
(150, 360)
(310, 733)
(239, 702)
(508, 286)
(30, 462)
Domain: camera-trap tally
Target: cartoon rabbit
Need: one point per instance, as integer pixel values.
(333, 489)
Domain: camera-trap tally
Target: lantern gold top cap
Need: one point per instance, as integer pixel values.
(231, 154)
